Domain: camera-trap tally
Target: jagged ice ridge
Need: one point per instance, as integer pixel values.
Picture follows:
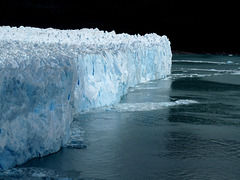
(47, 75)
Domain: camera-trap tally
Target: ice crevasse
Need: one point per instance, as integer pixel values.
(48, 75)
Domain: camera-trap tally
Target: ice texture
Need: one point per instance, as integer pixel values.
(105, 75)
(47, 75)
(36, 101)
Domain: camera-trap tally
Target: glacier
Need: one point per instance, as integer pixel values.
(48, 75)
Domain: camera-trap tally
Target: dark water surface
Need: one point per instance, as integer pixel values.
(186, 126)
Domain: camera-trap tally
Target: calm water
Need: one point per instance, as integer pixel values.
(186, 126)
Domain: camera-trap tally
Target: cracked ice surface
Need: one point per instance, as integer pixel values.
(46, 75)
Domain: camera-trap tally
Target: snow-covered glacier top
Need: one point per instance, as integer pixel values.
(88, 37)
(47, 75)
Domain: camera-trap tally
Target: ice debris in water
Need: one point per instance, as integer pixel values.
(47, 75)
(76, 145)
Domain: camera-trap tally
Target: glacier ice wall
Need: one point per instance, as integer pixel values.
(105, 74)
(36, 101)
(47, 75)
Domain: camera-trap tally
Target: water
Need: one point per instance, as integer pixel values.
(186, 126)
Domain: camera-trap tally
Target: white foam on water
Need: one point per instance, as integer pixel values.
(176, 76)
(236, 73)
(146, 88)
(212, 70)
(147, 106)
(203, 62)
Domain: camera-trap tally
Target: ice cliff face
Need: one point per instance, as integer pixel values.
(46, 75)
(36, 101)
(105, 76)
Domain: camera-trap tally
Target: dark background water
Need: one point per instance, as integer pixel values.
(176, 141)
